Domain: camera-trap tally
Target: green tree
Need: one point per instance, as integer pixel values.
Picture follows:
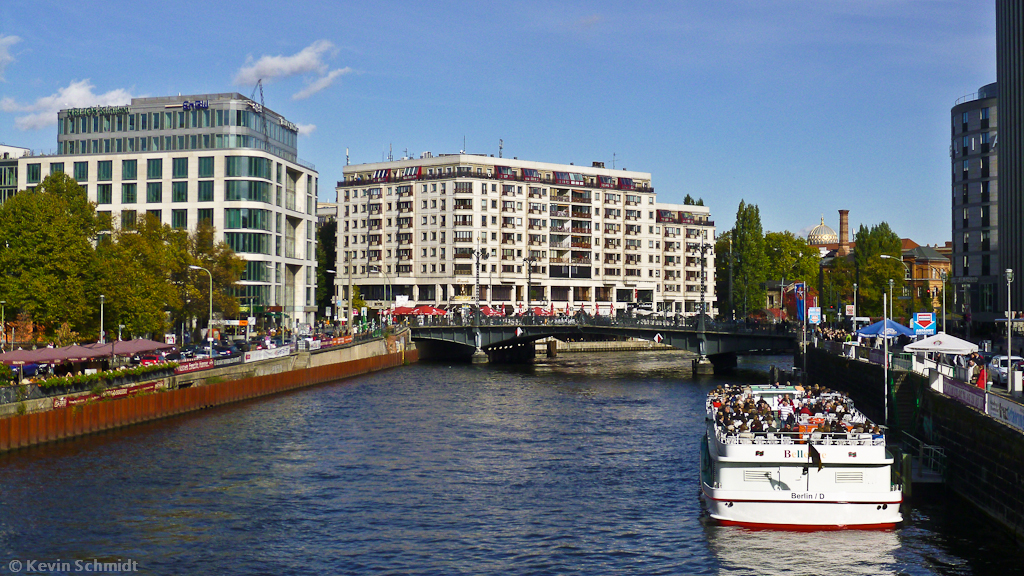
(136, 277)
(751, 267)
(47, 255)
(874, 272)
(689, 201)
(790, 257)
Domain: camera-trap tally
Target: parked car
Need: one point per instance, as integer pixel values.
(998, 367)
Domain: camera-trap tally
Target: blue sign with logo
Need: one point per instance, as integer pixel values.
(923, 323)
(814, 315)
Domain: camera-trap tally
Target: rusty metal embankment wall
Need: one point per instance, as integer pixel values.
(198, 392)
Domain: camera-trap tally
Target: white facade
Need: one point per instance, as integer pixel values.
(188, 158)
(415, 227)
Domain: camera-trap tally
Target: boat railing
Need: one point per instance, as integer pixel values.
(816, 438)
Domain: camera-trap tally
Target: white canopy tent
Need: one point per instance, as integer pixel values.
(942, 343)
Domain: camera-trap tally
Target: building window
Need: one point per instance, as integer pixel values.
(32, 173)
(129, 194)
(81, 171)
(128, 219)
(104, 170)
(179, 168)
(206, 167)
(129, 169)
(104, 193)
(179, 191)
(154, 192)
(154, 168)
(206, 190)
(56, 167)
(179, 219)
(205, 214)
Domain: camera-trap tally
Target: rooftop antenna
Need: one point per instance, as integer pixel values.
(406, 157)
(260, 109)
(463, 144)
(346, 156)
(613, 160)
(501, 144)
(391, 156)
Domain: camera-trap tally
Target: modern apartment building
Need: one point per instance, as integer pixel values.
(1010, 76)
(977, 203)
(560, 236)
(183, 159)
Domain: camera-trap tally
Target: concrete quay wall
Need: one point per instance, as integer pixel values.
(189, 392)
(984, 457)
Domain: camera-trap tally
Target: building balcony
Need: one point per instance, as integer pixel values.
(581, 231)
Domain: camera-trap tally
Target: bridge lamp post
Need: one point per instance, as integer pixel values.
(703, 277)
(529, 279)
(479, 254)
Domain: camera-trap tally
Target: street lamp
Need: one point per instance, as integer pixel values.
(890, 298)
(3, 324)
(942, 275)
(909, 275)
(209, 328)
(334, 292)
(102, 335)
(1009, 348)
(387, 283)
(854, 323)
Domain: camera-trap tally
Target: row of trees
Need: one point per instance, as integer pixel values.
(754, 257)
(58, 256)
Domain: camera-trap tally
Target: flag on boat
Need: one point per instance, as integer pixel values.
(815, 456)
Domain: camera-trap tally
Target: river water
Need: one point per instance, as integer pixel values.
(584, 464)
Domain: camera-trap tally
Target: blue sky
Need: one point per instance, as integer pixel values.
(802, 107)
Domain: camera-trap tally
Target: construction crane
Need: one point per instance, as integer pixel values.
(260, 110)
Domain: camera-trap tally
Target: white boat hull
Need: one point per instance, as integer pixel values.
(802, 511)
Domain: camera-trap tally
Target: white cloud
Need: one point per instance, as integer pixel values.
(78, 94)
(5, 52)
(270, 68)
(320, 83)
(306, 129)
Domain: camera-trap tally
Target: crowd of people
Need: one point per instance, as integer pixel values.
(739, 411)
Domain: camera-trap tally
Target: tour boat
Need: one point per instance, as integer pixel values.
(806, 479)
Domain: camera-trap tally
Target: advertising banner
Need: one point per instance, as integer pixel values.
(1007, 412)
(964, 393)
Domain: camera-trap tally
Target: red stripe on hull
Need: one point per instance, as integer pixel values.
(804, 527)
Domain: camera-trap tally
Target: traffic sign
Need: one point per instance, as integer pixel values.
(923, 323)
(658, 338)
(814, 315)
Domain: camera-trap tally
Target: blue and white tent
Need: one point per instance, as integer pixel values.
(892, 328)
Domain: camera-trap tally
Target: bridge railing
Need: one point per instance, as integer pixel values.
(651, 322)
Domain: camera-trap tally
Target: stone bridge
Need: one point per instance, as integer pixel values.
(513, 339)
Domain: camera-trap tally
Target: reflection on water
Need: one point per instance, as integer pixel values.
(771, 553)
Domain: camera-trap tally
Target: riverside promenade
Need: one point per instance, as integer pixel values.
(67, 416)
(971, 438)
